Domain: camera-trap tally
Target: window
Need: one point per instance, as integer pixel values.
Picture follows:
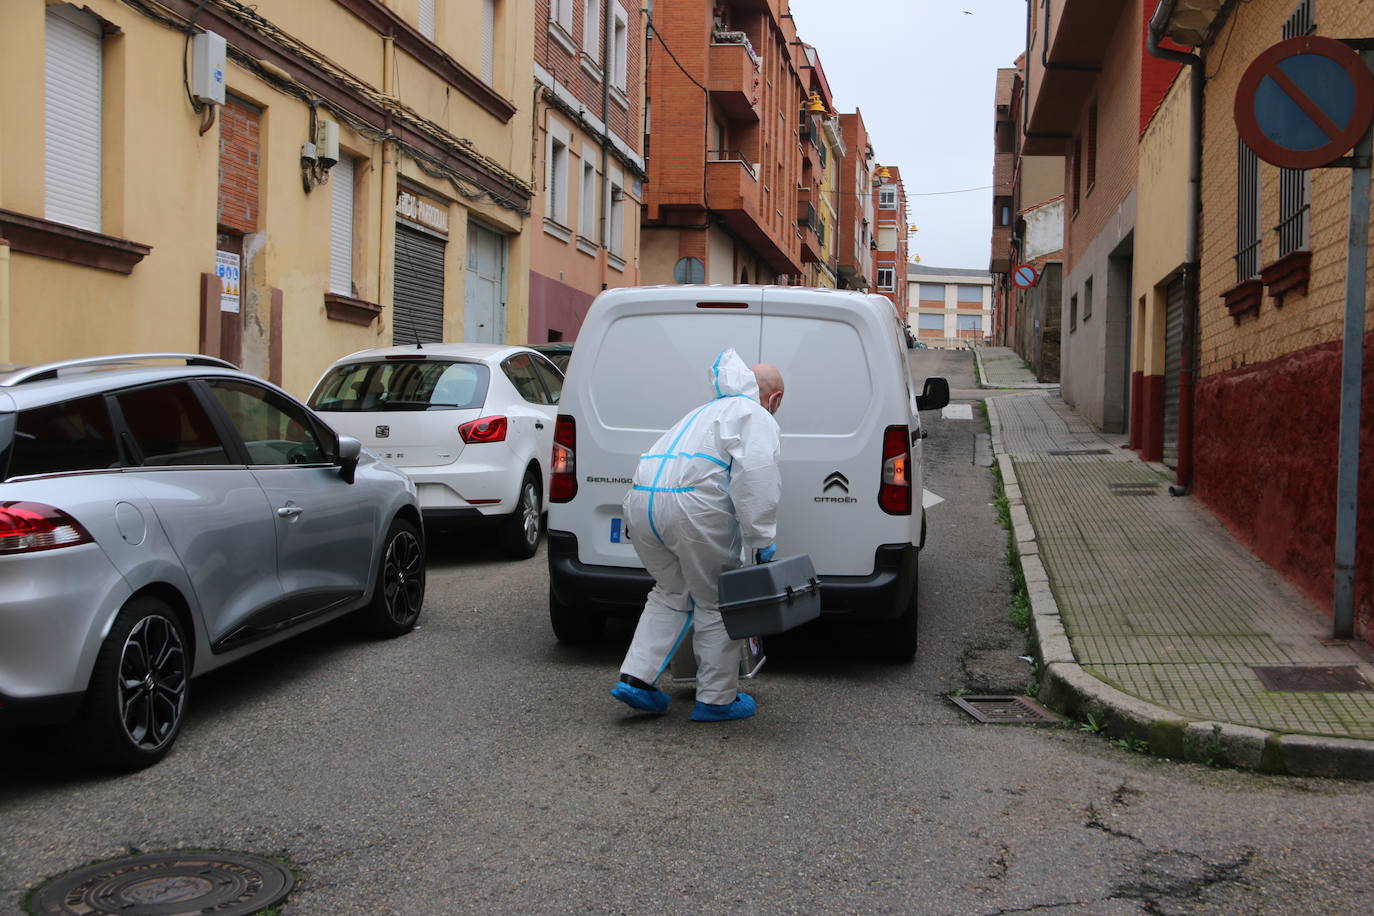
(620, 50)
(402, 385)
(616, 217)
(887, 198)
(72, 94)
(341, 227)
(1090, 166)
(561, 13)
(885, 275)
(522, 374)
(1295, 185)
(552, 378)
(275, 431)
(71, 436)
(973, 294)
(1077, 172)
(1073, 313)
(969, 322)
(488, 41)
(426, 18)
(1248, 226)
(587, 224)
(170, 427)
(1087, 298)
(933, 292)
(557, 180)
(591, 29)
(930, 323)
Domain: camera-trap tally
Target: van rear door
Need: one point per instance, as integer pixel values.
(843, 389)
(643, 361)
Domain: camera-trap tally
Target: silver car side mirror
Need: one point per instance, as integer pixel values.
(347, 460)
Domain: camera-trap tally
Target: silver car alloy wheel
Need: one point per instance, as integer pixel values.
(152, 682)
(403, 575)
(530, 505)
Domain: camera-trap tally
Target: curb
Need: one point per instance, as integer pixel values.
(1070, 689)
(983, 382)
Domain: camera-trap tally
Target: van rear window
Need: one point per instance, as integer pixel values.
(421, 384)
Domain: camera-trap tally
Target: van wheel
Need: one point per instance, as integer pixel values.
(574, 626)
(520, 532)
(895, 640)
(400, 590)
(137, 698)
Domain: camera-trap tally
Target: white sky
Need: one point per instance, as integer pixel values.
(924, 74)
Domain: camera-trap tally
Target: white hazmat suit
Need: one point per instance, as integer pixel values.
(704, 497)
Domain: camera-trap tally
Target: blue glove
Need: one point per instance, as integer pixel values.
(766, 554)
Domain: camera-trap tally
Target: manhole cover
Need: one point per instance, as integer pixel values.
(1006, 710)
(1313, 678)
(226, 884)
(1079, 451)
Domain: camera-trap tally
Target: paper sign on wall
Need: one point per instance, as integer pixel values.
(227, 269)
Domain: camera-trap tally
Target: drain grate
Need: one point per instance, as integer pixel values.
(1079, 451)
(226, 884)
(1006, 710)
(1139, 488)
(1311, 678)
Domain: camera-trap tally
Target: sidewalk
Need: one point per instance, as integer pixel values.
(1149, 616)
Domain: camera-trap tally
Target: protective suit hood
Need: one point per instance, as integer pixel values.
(730, 377)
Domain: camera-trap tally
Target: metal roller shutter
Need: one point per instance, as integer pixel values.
(71, 109)
(418, 297)
(341, 228)
(1175, 302)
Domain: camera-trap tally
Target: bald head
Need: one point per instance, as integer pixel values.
(770, 386)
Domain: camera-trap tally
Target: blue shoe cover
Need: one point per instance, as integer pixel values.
(743, 707)
(654, 700)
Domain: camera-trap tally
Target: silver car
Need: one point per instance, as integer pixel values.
(159, 521)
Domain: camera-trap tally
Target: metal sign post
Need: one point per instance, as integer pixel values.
(1301, 104)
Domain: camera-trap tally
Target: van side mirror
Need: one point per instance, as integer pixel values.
(935, 395)
(347, 458)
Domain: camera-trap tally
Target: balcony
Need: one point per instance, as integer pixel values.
(809, 228)
(736, 76)
(1066, 55)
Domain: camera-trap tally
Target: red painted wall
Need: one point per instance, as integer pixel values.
(1265, 464)
(555, 305)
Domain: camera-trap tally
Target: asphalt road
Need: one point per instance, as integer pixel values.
(476, 766)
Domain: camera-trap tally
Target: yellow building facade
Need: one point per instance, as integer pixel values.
(365, 180)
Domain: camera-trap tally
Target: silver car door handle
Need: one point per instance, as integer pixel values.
(289, 511)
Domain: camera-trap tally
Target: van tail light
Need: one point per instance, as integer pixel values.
(894, 493)
(563, 463)
(31, 527)
(486, 429)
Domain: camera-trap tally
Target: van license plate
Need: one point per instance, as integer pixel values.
(620, 531)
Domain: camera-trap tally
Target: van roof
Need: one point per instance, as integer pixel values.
(687, 292)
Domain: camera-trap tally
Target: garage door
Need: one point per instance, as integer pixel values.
(1175, 302)
(419, 290)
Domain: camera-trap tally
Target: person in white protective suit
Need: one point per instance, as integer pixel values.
(704, 499)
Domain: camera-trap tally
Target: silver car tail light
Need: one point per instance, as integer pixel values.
(30, 527)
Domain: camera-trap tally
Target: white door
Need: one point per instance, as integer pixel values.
(484, 300)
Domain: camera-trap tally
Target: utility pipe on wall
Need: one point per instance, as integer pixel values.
(6, 347)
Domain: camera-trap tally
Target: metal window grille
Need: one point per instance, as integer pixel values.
(1295, 184)
(1247, 213)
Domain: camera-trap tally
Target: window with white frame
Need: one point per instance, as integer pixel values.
(885, 277)
(591, 29)
(72, 98)
(556, 207)
(561, 12)
(425, 20)
(887, 198)
(620, 49)
(587, 223)
(341, 227)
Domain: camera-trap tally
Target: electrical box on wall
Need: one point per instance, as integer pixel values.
(208, 52)
(327, 143)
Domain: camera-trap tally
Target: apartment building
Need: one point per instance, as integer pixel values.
(588, 158)
(820, 127)
(1027, 228)
(726, 150)
(890, 237)
(949, 306)
(857, 208)
(1270, 315)
(350, 173)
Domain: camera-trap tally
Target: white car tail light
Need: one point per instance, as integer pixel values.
(485, 429)
(563, 463)
(894, 494)
(31, 527)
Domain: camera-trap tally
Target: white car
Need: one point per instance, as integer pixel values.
(470, 424)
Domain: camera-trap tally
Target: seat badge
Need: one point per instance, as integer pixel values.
(383, 432)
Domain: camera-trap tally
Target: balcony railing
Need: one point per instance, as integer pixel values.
(732, 155)
(736, 77)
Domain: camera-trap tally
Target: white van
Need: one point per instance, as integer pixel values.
(851, 443)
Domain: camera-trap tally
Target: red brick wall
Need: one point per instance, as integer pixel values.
(238, 166)
(625, 123)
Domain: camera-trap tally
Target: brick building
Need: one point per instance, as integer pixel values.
(588, 161)
(949, 306)
(857, 206)
(890, 253)
(726, 152)
(1271, 315)
(821, 267)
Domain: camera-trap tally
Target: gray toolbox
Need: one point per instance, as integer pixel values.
(769, 598)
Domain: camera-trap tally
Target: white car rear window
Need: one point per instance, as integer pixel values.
(406, 384)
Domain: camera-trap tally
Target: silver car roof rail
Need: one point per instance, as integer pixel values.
(50, 370)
